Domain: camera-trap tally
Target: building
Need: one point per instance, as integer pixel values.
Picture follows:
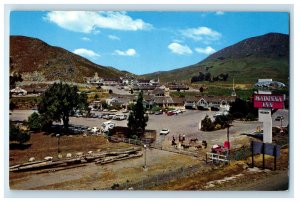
(18, 91)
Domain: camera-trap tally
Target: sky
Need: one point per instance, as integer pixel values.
(145, 42)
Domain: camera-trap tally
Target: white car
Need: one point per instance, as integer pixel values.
(95, 130)
(164, 131)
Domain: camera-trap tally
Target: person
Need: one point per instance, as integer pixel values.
(183, 137)
(173, 138)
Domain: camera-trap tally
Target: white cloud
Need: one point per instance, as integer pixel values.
(88, 21)
(85, 39)
(220, 13)
(86, 53)
(113, 37)
(129, 52)
(207, 51)
(179, 49)
(204, 34)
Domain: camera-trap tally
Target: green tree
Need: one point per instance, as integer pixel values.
(13, 79)
(17, 135)
(60, 101)
(207, 124)
(137, 120)
(34, 122)
(223, 120)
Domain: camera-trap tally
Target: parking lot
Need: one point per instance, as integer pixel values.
(186, 123)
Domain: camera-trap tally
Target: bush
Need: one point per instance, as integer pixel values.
(250, 117)
(34, 122)
(17, 135)
(207, 124)
(218, 127)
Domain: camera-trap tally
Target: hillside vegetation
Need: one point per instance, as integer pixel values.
(265, 56)
(38, 61)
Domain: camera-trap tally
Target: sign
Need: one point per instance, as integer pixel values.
(265, 148)
(264, 115)
(268, 101)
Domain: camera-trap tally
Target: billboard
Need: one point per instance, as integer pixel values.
(268, 101)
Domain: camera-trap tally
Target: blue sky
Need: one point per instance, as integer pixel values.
(145, 42)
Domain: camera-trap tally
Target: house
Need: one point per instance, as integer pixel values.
(18, 91)
(95, 79)
(164, 101)
(127, 80)
(214, 102)
(111, 81)
(143, 82)
(35, 90)
(178, 101)
(154, 82)
(158, 92)
(190, 102)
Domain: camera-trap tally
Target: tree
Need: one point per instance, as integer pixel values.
(96, 97)
(137, 120)
(60, 101)
(18, 135)
(201, 89)
(207, 124)
(13, 79)
(34, 122)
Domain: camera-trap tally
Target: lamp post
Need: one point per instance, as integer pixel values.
(58, 138)
(228, 148)
(145, 163)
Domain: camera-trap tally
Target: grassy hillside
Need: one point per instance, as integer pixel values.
(265, 56)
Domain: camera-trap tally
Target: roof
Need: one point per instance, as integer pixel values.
(178, 100)
(163, 100)
(158, 91)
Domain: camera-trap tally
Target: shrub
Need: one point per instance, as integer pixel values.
(18, 135)
(34, 122)
(207, 124)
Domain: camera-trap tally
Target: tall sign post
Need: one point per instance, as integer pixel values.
(265, 101)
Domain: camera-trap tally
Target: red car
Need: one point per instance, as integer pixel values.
(170, 113)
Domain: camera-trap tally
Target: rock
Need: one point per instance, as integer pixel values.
(90, 152)
(59, 156)
(79, 154)
(48, 158)
(69, 155)
(31, 159)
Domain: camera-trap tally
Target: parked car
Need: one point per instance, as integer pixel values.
(170, 113)
(164, 131)
(95, 130)
(119, 117)
(158, 112)
(107, 125)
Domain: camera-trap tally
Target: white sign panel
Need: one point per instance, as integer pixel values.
(264, 115)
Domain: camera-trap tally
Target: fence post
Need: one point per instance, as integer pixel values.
(263, 155)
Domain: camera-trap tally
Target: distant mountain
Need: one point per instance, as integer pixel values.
(265, 56)
(37, 60)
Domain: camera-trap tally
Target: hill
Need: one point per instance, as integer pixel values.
(39, 61)
(265, 56)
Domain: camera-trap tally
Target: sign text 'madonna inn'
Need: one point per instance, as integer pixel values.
(268, 101)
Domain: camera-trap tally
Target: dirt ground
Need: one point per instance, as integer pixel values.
(238, 176)
(92, 176)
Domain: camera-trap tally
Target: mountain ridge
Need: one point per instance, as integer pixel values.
(30, 55)
(246, 60)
